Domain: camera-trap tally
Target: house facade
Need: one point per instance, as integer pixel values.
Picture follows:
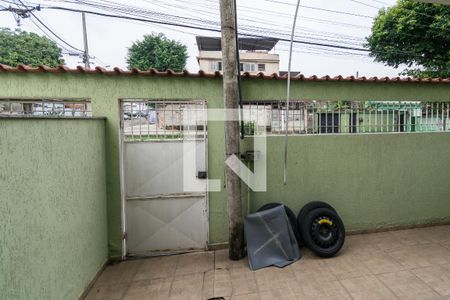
(256, 55)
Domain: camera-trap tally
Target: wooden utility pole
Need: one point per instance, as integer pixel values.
(231, 101)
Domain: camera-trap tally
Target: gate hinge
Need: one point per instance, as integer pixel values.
(124, 236)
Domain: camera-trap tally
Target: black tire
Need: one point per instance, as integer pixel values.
(307, 208)
(323, 232)
(290, 214)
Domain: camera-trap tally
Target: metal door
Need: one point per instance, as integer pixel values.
(159, 214)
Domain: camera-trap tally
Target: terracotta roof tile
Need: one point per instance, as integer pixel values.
(170, 73)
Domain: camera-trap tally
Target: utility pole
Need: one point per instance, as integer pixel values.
(86, 49)
(230, 98)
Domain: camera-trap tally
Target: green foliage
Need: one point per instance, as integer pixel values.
(21, 47)
(250, 128)
(157, 51)
(413, 33)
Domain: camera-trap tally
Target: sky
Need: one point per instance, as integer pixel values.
(109, 38)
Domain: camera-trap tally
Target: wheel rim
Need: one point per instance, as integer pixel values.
(324, 231)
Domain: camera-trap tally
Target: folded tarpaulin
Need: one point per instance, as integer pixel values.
(270, 239)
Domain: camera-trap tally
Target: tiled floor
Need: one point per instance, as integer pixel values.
(406, 264)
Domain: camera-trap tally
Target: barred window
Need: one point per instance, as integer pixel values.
(146, 120)
(45, 108)
(261, 67)
(343, 117)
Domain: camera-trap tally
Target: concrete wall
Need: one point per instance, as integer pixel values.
(53, 226)
(373, 180)
(105, 91)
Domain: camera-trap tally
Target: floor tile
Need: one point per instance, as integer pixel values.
(222, 284)
(437, 277)
(221, 261)
(118, 273)
(409, 237)
(384, 240)
(157, 267)
(273, 277)
(208, 285)
(195, 263)
(243, 281)
(153, 289)
(187, 287)
(321, 290)
(234, 282)
(406, 285)
(367, 287)
(355, 244)
(408, 264)
(347, 267)
(437, 234)
(253, 296)
(380, 262)
(418, 256)
(107, 292)
(306, 270)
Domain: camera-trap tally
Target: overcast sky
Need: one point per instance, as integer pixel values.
(109, 38)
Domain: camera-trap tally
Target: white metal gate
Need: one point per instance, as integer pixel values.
(159, 214)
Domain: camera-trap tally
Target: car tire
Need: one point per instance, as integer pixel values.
(307, 208)
(290, 214)
(323, 232)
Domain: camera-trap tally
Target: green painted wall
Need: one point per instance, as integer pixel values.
(373, 180)
(53, 223)
(105, 91)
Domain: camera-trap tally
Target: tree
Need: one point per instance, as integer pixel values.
(21, 47)
(157, 51)
(413, 33)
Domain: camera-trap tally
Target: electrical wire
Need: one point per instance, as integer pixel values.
(50, 30)
(68, 51)
(322, 9)
(289, 95)
(204, 28)
(365, 4)
(318, 40)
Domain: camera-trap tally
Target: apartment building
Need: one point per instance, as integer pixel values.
(256, 55)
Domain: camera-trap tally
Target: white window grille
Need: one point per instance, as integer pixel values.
(261, 67)
(148, 120)
(248, 67)
(346, 117)
(45, 108)
(216, 66)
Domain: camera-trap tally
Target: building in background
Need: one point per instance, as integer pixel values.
(255, 56)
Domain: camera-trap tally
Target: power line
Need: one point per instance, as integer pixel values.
(141, 12)
(365, 4)
(198, 24)
(204, 28)
(49, 29)
(322, 9)
(68, 51)
(381, 2)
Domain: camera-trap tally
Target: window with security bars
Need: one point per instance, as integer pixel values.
(261, 67)
(248, 67)
(345, 117)
(149, 120)
(45, 108)
(216, 66)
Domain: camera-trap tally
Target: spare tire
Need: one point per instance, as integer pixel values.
(290, 214)
(323, 231)
(307, 208)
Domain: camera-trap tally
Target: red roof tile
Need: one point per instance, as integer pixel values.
(201, 73)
